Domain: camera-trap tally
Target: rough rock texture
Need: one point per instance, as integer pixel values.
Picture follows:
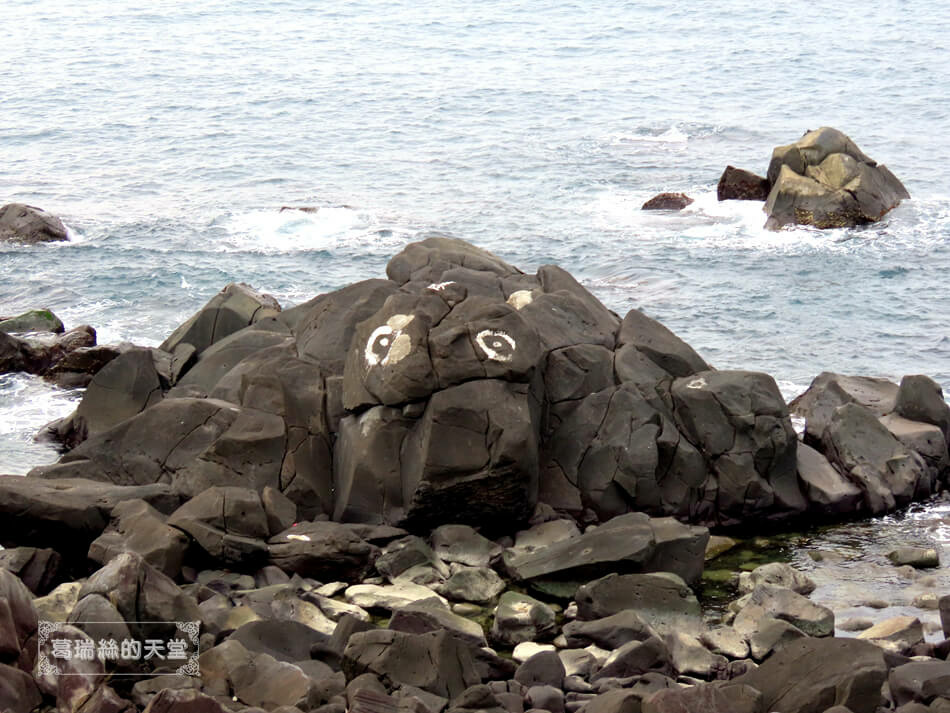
(667, 201)
(464, 391)
(25, 224)
(824, 180)
(740, 185)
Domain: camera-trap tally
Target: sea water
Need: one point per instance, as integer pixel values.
(169, 135)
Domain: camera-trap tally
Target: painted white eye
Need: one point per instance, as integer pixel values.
(378, 344)
(497, 345)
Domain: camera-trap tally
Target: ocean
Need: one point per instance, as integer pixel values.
(168, 135)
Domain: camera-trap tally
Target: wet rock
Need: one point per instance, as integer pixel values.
(663, 601)
(36, 320)
(825, 672)
(898, 634)
(138, 527)
(435, 662)
(779, 574)
(824, 180)
(23, 223)
(919, 557)
(325, 551)
(78, 367)
(667, 201)
(520, 618)
(738, 184)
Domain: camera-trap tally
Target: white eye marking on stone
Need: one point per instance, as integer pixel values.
(439, 286)
(520, 299)
(497, 345)
(303, 538)
(699, 383)
(388, 344)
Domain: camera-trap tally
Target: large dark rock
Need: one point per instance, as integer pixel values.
(812, 675)
(828, 391)
(138, 527)
(26, 224)
(663, 601)
(67, 514)
(740, 185)
(78, 368)
(920, 682)
(888, 473)
(741, 425)
(232, 309)
(824, 180)
(37, 568)
(436, 662)
(828, 492)
(18, 692)
(326, 551)
(18, 620)
(706, 698)
(627, 543)
(920, 398)
(36, 320)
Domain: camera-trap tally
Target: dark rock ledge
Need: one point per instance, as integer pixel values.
(460, 488)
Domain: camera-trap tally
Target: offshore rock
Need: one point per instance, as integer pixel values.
(23, 223)
(824, 179)
(740, 185)
(667, 201)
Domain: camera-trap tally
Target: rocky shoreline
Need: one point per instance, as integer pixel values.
(459, 488)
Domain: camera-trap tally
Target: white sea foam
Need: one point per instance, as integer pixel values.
(673, 135)
(278, 231)
(27, 403)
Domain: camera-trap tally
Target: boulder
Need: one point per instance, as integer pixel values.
(463, 544)
(23, 223)
(738, 184)
(741, 424)
(729, 697)
(20, 355)
(472, 584)
(635, 659)
(920, 398)
(432, 615)
(770, 635)
(67, 514)
(542, 669)
(920, 557)
(824, 180)
(920, 682)
(326, 551)
(667, 201)
(37, 568)
(663, 601)
(35, 320)
(925, 438)
(18, 692)
(898, 634)
(659, 345)
(781, 603)
(286, 641)
(779, 574)
(138, 527)
(519, 618)
(689, 657)
(828, 391)
(610, 632)
(78, 367)
(232, 309)
(889, 474)
(436, 662)
(18, 620)
(812, 675)
(828, 491)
